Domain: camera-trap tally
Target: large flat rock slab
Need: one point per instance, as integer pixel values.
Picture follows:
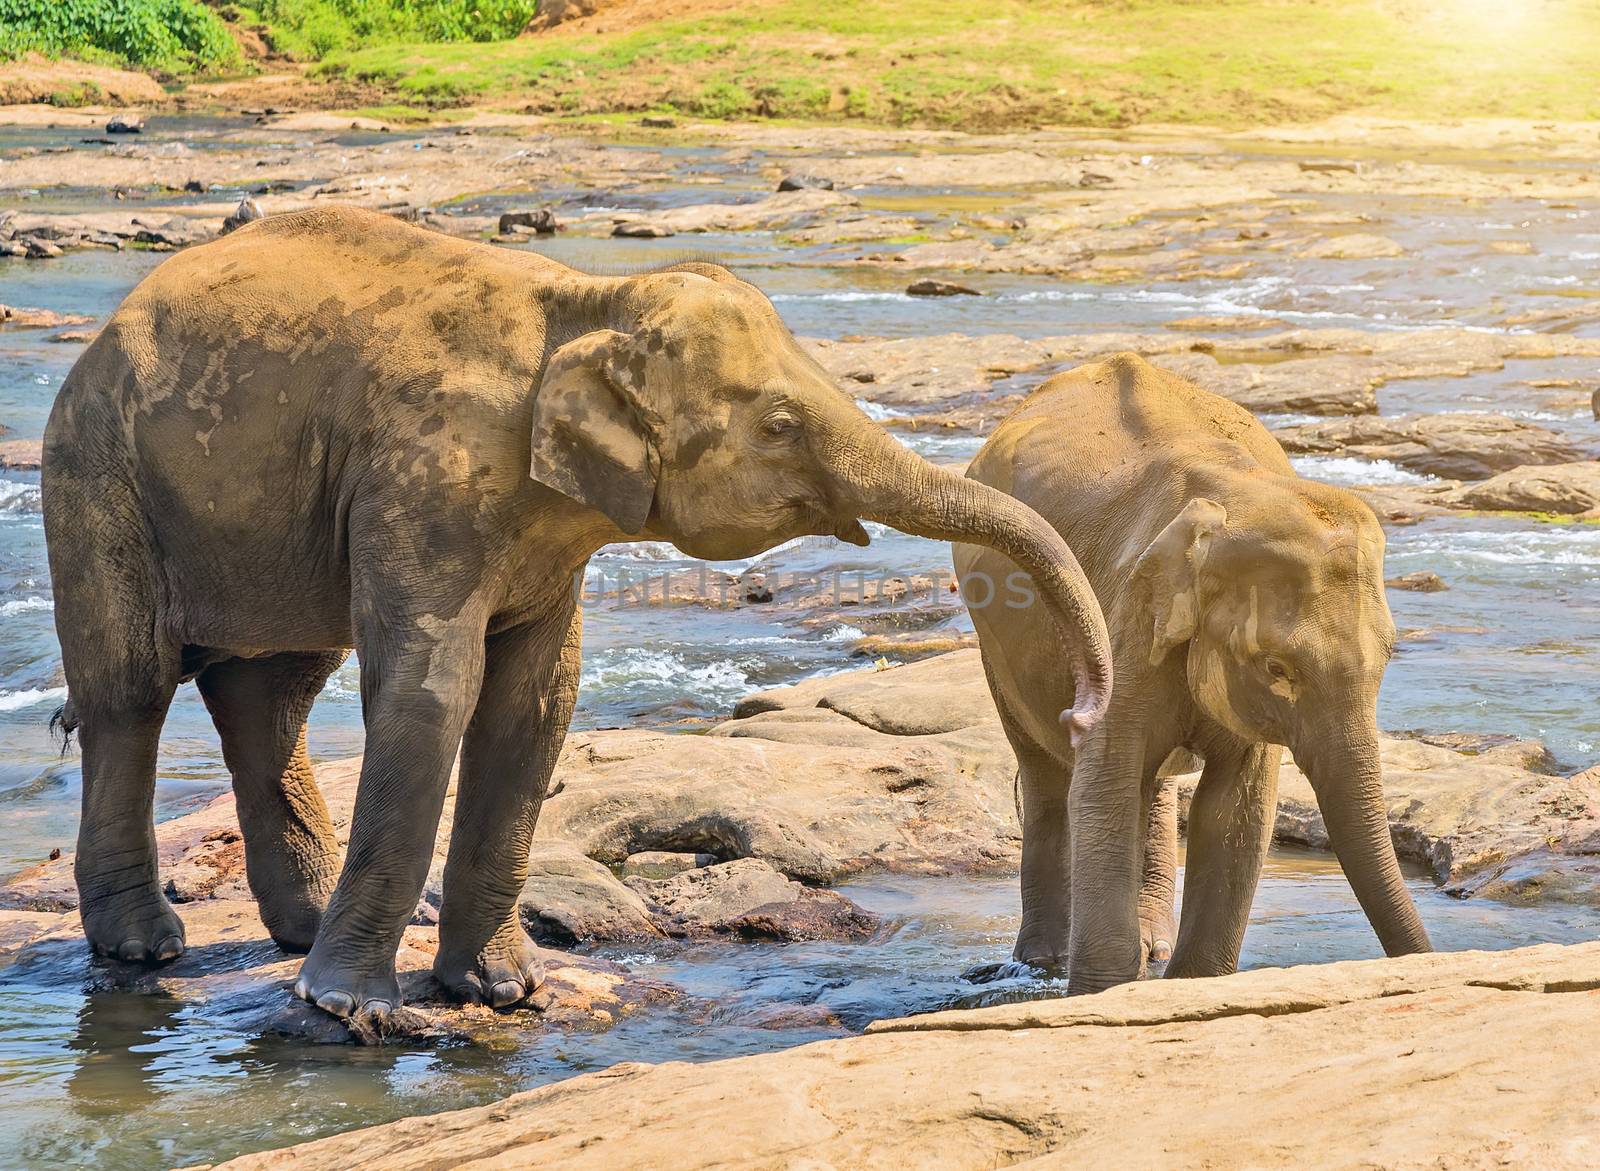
(1432, 1061)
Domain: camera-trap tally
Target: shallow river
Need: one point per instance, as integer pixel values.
(1511, 648)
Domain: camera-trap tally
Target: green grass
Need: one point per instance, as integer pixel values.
(171, 36)
(1024, 62)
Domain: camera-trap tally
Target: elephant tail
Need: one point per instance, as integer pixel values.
(63, 723)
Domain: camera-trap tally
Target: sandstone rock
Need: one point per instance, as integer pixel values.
(1222, 323)
(541, 221)
(1357, 246)
(125, 124)
(803, 181)
(21, 454)
(22, 317)
(663, 863)
(750, 898)
(637, 229)
(175, 232)
(247, 211)
(569, 898)
(1567, 489)
(1458, 447)
(947, 379)
(1423, 581)
(1128, 1078)
(18, 928)
(927, 698)
(933, 288)
(769, 214)
(814, 810)
(1479, 820)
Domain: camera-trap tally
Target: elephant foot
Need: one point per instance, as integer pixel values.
(1155, 935)
(291, 906)
(504, 973)
(348, 990)
(139, 928)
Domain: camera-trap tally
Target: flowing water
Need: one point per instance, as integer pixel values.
(1511, 647)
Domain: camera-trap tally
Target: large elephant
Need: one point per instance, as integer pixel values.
(1247, 611)
(318, 433)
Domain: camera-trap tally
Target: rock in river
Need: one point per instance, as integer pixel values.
(802, 181)
(750, 898)
(1565, 489)
(929, 287)
(1456, 447)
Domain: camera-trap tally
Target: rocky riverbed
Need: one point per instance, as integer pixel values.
(1412, 317)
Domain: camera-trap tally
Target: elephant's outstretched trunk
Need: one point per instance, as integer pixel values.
(1348, 782)
(885, 482)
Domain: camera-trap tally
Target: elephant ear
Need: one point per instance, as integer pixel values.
(594, 437)
(1168, 571)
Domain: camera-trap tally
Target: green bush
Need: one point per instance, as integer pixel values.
(314, 28)
(159, 34)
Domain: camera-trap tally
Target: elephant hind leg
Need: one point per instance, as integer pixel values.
(1042, 785)
(121, 671)
(259, 707)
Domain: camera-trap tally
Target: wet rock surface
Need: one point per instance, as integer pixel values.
(234, 974)
(749, 898)
(1445, 1034)
(1457, 447)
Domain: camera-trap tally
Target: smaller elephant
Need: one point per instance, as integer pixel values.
(1247, 612)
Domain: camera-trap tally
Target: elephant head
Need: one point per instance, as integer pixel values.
(1279, 606)
(696, 417)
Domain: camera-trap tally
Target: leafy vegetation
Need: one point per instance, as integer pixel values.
(313, 28)
(1022, 62)
(167, 35)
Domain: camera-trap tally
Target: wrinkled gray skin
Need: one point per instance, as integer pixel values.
(1247, 611)
(318, 433)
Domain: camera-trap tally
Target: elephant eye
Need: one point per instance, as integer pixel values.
(1277, 668)
(780, 426)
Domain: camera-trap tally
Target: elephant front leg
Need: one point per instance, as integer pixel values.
(530, 685)
(1230, 828)
(419, 681)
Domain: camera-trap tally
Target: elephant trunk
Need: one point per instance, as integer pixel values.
(1348, 783)
(885, 482)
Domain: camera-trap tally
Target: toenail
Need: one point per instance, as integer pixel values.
(339, 1004)
(131, 950)
(506, 993)
(169, 948)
